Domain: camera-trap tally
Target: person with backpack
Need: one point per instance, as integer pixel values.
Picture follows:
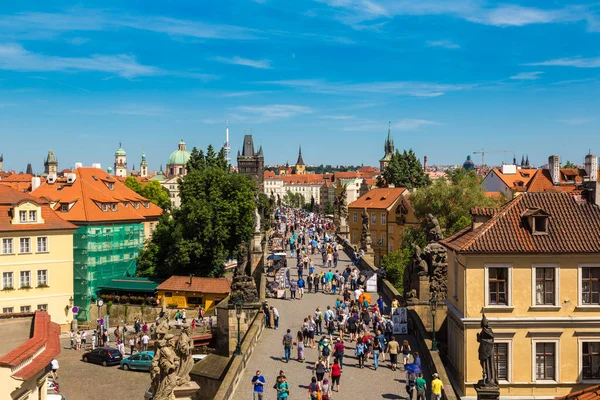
(368, 341)
(293, 287)
(325, 350)
(283, 388)
(288, 343)
(352, 325)
(410, 384)
(319, 369)
(331, 327)
(326, 390)
(405, 349)
(314, 390)
(359, 352)
(319, 321)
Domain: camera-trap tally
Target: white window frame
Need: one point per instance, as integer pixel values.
(509, 296)
(509, 363)
(8, 310)
(12, 245)
(42, 307)
(25, 308)
(12, 279)
(37, 244)
(37, 277)
(373, 218)
(30, 214)
(383, 218)
(22, 216)
(556, 342)
(21, 247)
(581, 340)
(556, 304)
(580, 282)
(21, 280)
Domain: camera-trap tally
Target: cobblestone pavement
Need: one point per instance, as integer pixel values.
(355, 383)
(80, 381)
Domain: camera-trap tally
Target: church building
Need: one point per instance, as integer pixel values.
(388, 149)
(252, 163)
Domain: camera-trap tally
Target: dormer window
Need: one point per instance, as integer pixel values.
(540, 224)
(146, 204)
(136, 204)
(32, 216)
(64, 207)
(113, 206)
(23, 216)
(104, 207)
(536, 220)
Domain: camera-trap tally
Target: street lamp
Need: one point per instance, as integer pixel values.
(433, 306)
(239, 302)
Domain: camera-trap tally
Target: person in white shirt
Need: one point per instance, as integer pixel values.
(131, 344)
(145, 340)
(54, 366)
(357, 293)
(275, 316)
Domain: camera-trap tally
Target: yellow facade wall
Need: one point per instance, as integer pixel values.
(209, 300)
(58, 261)
(522, 323)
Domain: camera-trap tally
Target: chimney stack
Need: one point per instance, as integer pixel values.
(591, 167)
(425, 163)
(554, 167)
(35, 183)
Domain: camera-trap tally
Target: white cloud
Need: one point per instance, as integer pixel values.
(13, 57)
(270, 112)
(261, 64)
(527, 76)
(409, 124)
(447, 44)
(576, 62)
(393, 88)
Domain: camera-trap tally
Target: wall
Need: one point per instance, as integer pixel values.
(58, 261)
(209, 300)
(117, 313)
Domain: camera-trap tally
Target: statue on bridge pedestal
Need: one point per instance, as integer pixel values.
(365, 240)
(486, 355)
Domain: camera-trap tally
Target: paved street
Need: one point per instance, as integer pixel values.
(355, 383)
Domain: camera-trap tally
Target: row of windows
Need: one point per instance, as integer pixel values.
(546, 358)
(25, 245)
(373, 218)
(24, 279)
(545, 285)
(10, 310)
(23, 216)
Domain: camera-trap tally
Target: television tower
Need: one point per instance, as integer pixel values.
(226, 146)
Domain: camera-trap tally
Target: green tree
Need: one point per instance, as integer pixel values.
(215, 217)
(450, 199)
(157, 194)
(394, 264)
(569, 164)
(292, 199)
(133, 184)
(328, 208)
(404, 170)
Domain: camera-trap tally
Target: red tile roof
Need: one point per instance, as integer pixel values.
(517, 181)
(589, 393)
(199, 284)
(380, 198)
(45, 338)
(90, 188)
(9, 198)
(573, 227)
(484, 211)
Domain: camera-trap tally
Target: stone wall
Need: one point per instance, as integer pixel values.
(226, 328)
(117, 313)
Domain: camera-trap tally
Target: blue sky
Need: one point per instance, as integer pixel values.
(451, 76)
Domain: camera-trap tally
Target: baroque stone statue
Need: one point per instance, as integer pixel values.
(486, 355)
(256, 221)
(433, 232)
(365, 241)
(165, 369)
(184, 349)
(244, 287)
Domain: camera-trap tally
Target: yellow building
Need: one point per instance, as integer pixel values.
(36, 257)
(192, 292)
(390, 213)
(28, 343)
(533, 266)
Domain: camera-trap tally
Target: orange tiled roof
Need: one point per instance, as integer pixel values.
(573, 227)
(517, 181)
(589, 393)
(570, 180)
(199, 284)
(10, 198)
(86, 195)
(45, 339)
(381, 198)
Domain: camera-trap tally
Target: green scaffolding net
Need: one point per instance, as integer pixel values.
(101, 253)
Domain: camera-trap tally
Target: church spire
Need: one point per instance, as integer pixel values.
(300, 160)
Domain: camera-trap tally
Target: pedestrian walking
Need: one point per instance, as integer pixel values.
(293, 287)
(319, 321)
(275, 314)
(405, 352)
(283, 389)
(300, 345)
(376, 352)
(336, 374)
(359, 352)
(410, 384)
(314, 390)
(392, 349)
(145, 340)
(131, 344)
(436, 387)
(319, 369)
(258, 385)
(338, 352)
(288, 343)
(421, 385)
(54, 367)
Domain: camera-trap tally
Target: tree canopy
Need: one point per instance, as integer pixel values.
(153, 191)
(450, 199)
(570, 164)
(215, 217)
(292, 199)
(404, 170)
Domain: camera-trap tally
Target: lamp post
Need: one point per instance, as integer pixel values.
(433, 306)
(239, 302)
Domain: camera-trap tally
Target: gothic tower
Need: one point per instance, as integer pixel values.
(300, 167)
(50, 164)
(388, 148)
(252, 163)
(120, 162)
(143, 166)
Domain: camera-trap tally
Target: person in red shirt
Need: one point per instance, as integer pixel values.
(336, 373)
(338, 352)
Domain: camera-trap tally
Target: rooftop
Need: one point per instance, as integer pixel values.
(589, 393)
(381, 198)
(198, 284)
(14, 332)
(573, 226)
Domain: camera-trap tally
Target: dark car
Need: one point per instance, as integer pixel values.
(103, 355)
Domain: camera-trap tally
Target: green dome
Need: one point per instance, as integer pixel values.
(179, 156)
(120, 151)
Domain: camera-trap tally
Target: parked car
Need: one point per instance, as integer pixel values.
(103, 355)
(55, 396)
(140, 361)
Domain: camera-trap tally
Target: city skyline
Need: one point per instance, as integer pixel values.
(451, 77)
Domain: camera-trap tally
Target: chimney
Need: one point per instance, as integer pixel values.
(78, 165)
(554, 167)
(35, 183)
(591, 167)
(97, 165)
(425, 163)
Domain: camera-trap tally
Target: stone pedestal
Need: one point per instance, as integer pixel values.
(187, 391)
(256, 242)
(487, 392)
(227, 326)
(423, 291)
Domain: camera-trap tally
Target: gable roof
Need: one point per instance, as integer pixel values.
(379, 198)
(574, 227)
(589, 393)
(517, 181)
(91, 189)
(199, 284)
